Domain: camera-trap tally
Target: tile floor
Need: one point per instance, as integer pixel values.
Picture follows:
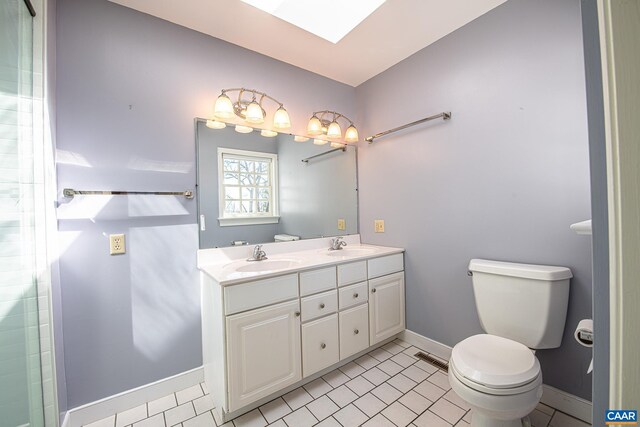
(387, 387)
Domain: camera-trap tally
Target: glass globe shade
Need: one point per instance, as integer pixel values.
(351, 135)
(223, 108)
(254, 113)
(315, 126)
(281, 119)
(334, 131)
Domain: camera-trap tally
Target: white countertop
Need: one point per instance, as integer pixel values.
(225, 265)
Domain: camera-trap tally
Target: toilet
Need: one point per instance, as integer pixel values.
(522, 308)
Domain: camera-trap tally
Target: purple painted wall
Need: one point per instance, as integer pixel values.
(502, 180)
(128, 88)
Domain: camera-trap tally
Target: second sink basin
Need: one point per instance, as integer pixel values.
(267, 265)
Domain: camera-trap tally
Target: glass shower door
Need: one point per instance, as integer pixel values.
(21, 402)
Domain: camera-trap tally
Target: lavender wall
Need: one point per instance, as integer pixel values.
(502, 180)
(128, 88)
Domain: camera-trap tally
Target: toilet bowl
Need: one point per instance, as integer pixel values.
(499, 378)
(521, 307)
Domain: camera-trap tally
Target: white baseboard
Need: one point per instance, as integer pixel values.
(557, 399)
(567, 403)
(103, 408)
(427, 344)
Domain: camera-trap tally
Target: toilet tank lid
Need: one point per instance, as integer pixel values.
(527, 271)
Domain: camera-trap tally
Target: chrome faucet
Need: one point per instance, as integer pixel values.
(258, 254)
(337, 244)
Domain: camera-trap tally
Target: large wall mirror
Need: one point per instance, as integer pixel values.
(257, 189)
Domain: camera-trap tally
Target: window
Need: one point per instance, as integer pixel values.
(247, 187)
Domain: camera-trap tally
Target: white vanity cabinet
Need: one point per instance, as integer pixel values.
(386, 307)
(264, 335)
(263, 352)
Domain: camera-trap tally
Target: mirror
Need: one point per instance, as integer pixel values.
(255, 189)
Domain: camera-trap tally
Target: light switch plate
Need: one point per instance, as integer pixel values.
(342, 225)
(378, 225)
(116, 244)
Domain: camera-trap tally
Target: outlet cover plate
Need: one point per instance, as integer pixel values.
(342, 225)
(117, 244)
(378, 225)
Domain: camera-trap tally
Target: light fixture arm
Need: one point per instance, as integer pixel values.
(335, 117)
(253, 92)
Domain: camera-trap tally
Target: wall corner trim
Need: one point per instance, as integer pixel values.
(551, 396)
(103, 408)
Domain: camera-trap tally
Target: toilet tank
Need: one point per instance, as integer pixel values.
(523, 302)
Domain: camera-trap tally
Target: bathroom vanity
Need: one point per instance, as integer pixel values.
(269, 326)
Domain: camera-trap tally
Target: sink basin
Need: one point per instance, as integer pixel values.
(351, 252)
(267, 265)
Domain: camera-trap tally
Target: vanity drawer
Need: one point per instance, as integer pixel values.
(319, 305)
(353, 272)
(319, 344)
(353, 295)
(312, 282)
(354, 330)
(260, 293)
(385, 265)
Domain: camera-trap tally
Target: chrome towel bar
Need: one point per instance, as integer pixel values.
(69, 192)
(443, 115)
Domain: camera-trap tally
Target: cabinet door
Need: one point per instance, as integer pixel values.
(320, 344)
(263, 352)
(386, 307)
(354, 330)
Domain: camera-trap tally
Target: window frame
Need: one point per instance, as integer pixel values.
(252, 219)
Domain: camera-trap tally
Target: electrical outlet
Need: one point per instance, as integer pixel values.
(342, 225)
(116, 244)
(378, 225)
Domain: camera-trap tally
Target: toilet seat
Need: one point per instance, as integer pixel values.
(495, 365)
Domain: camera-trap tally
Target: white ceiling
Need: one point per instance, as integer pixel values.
(396, 30)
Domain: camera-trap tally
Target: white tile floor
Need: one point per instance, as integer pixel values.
(387, 387)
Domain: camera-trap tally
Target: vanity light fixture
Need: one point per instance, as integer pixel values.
(298, 138)
(214, 124)
(326, 123)
(320, 141)
(337, 145)
(249, 108)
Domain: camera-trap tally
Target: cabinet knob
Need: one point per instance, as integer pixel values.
(355, 295)
(356, 332)
(323, 346)
(373, 291)
(321, 305)
(297, 313)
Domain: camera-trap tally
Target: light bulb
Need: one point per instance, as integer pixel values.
(268, 133)
(320, 141)
(243, 129)
(214, 124)
(223, 108)
(315, 126)
(254, 113)
(281, 119)
(298, 138)
(334, 131)
(351, 135)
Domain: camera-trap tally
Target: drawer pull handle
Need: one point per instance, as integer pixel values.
(323, 346)
(321, 305)
(356, 332)
(355, 295)
(297, 313)
(373, 291)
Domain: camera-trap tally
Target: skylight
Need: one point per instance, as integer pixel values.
(329, 19)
